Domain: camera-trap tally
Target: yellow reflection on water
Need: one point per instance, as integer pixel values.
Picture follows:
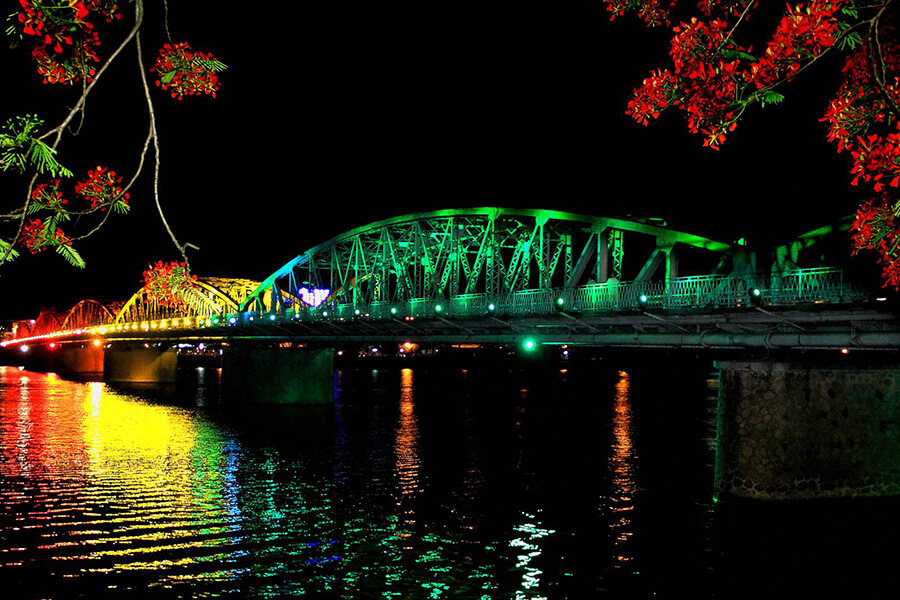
(134, 484)
(622, 465)
(407, 462)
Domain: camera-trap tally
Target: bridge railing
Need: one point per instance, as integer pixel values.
(705, 291)
(812, 285)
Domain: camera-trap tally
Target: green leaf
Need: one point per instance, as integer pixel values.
(167, 77)
(71, 255)
(850, 41)
(771, 97)
(212, 65)
(4, 246)
(43, 157)
(735, 53)
(121, 207)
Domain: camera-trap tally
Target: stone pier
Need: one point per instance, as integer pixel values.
(791, 431)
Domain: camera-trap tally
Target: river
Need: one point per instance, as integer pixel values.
(592, 479)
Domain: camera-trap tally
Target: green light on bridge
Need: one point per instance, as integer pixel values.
(438, 308)
(529, 344)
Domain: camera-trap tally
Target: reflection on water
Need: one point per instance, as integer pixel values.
(480, 484)
(623, 466)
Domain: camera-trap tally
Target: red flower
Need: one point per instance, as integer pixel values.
(101, 188)
(186, 72)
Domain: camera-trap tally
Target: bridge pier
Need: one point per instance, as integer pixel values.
(139, 365)
(788, 430)
(79, 361)
(278, 375)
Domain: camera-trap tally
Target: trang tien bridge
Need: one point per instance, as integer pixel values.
(530, 278)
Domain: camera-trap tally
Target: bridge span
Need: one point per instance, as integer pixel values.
(493, 275)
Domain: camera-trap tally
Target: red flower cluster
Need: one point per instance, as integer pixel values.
(36, 239)
(66, 40)
(648, 10)
(858, 123)
(101, 187)
(657, 93)
(185, 72)
(704, 85)
(49, 195)
(875, 228)
(802, 34)
(167, 282)
(712, 72)
(108, 9)
(876, 158)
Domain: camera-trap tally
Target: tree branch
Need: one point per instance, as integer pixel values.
(154, 134)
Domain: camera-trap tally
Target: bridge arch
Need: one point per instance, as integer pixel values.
(47, 323)
(219, 295)
(87, 313)
(490, 251)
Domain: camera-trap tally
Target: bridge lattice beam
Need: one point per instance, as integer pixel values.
(450, 253)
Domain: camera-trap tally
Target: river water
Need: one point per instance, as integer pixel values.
(489, 482)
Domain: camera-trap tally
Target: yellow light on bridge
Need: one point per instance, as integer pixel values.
(96, 342)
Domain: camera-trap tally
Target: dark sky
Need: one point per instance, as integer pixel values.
(328, 119)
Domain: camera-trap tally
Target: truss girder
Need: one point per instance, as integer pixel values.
(444, 254)
(222, 296)
(87, 313)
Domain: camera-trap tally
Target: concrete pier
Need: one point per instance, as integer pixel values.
(79, 361)
(139, 365)
(789, 430)
(278, 375)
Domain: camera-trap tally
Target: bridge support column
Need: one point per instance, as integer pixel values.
(80, 361)
(139, 365)
(794, 431)
(278, 375)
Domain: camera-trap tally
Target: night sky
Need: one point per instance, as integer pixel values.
(328, 119)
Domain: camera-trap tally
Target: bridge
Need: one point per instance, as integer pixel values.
(507, 276)
(543, 277)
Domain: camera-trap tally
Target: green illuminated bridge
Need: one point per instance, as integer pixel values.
(501, 276)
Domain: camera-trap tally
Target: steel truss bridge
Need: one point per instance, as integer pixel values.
(498, 276)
